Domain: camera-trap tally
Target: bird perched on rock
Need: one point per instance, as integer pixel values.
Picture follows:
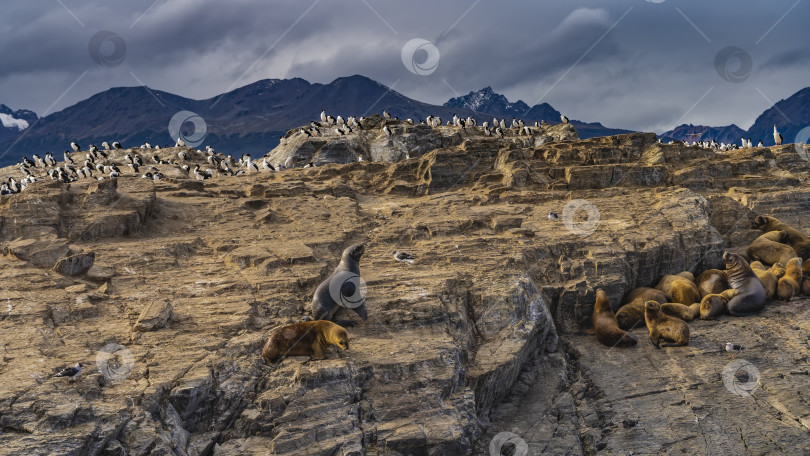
(553, 216)
(72, 372)
(733, 349)
(777, 138)
(404, 256)
(564, 119)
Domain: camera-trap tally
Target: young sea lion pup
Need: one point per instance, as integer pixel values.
(308, 338)
(790, 285)
(661, 326)
(751, 297)
(343, 284)
(605, 325)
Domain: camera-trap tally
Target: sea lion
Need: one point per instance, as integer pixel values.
(798, 240)
(682, 311)
(346, 288)
(778, 270)
(687, 275)
(771, 248)
(662, 326)
(715, 304)
(307, 338)
(712, 281)
(767, 278)
(679, 289)
(751, 298)
(605, 325)
(631, 314)
(790, 285)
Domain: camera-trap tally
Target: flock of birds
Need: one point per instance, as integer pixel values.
(744, 143)
(98, 163)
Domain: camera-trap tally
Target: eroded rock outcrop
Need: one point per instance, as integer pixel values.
(479, 335)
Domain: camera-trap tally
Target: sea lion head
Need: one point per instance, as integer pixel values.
(783, 237)
(731, 260)
(653, 306)
(709, 303)
(761, 221)
(602, 301)
(355, 251)
(342, 339)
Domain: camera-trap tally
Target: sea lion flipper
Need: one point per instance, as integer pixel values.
(649, 339)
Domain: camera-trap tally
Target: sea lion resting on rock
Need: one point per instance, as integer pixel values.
(790, 285)
(751, 297)
(308, 338)
(631, 314)
(682, 311)
(771, 248)
(712, 281)
(679, 288)
(715, 304)
(767, 278)
(343, 285)
(662, 326)
(605, 325)
(798, 240)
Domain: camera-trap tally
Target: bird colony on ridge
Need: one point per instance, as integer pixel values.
(104, 163)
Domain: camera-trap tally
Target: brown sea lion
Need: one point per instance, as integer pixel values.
(605, 325)
(798, 240)
(768, 279)
(771, 248)
(806, 278)
(716, 304)
(308, 338)
(682, 311)
(778, 270)
(751, 297)
(712, 281)
(790, 285)
(687, 275)
(631, 314)
(679, 289)
(662, 326)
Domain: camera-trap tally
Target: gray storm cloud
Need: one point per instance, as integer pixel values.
(631, 64)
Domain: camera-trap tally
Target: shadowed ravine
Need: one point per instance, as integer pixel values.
(481, 334)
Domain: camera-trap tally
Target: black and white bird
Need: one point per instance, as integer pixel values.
(116, 145)
(323, 115)
(564, 119)
(387, 130)
(553, 216)
(404, 257)
(75, 147)
(72, 372)
(733, 349)
(386, 116)
(777, 138)
(180, 142)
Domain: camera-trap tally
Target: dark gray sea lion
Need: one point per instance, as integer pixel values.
(751, 297)
(342, 289)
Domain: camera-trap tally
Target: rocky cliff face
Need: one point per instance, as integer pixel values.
(479, 337)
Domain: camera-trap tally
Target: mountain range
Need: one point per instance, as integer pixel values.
(251, 119)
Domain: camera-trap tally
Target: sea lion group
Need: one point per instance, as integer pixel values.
(341, 289)
(777, 271)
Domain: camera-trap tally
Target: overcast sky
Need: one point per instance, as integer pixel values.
(643, 65)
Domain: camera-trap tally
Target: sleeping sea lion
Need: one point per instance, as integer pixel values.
(308, 338)
(798, 240)
(679, 289)
(631, 314)
(771, 248)
(712, 281)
